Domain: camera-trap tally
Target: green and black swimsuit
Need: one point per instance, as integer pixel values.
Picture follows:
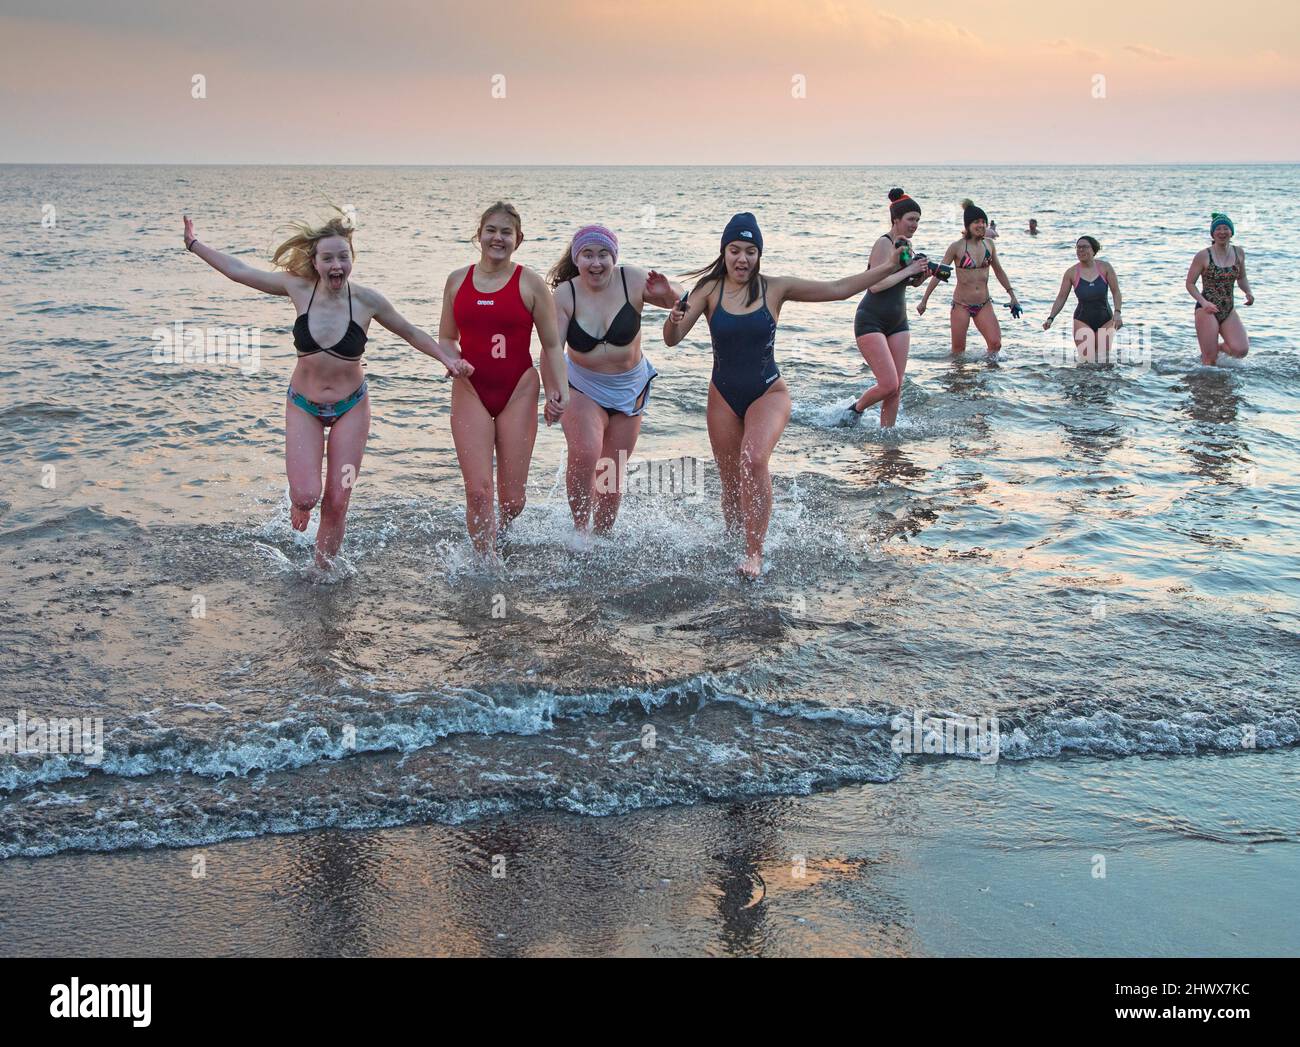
(1217, 282)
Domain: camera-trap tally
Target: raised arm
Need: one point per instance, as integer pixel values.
(446, 354)
(881, 274)
(541, 303)
(274, 282)
(679, 322)
(1061, 296)
(658, 289)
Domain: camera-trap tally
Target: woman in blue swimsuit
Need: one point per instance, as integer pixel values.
(328, 387)
(749, 404)
(1094, 322)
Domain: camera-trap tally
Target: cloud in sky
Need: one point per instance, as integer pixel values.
(599, 81)
(1152, 54)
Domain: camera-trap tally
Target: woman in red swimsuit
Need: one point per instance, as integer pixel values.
(491, 309)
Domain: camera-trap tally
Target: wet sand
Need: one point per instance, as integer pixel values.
(1200, 855)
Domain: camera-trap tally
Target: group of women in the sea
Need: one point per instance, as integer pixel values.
(587, 313)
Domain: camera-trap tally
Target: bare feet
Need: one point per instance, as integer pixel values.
(751, 567)
(299, 518)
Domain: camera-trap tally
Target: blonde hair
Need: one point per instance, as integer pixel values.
(298, 253)
(503, 208)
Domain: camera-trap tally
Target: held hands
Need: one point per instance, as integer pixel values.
(459, 368)
(555, 406)
(1250, 298)
(189, 232)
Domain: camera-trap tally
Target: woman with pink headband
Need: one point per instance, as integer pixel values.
(609, 379)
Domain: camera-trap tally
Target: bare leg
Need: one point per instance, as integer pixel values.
(1106, 343)
(474, 433)
(620, 436)
(1235, 341)
(765, 421)
(516, 435)
(584, 428)
(987, 325)
(898, 347)
(1207, 334)
(725, 434)
(1085, 343)
(959, 319)
(874, 348)
(347, 443)
(304, 451)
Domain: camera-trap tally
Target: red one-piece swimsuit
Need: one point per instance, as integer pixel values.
(496, 330)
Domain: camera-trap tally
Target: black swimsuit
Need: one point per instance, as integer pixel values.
(883, 312)
(1093, 309)
(744, 358)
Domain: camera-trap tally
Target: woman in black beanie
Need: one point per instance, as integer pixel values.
(973, 257)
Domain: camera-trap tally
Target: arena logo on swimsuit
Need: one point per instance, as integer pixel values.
(486, 301)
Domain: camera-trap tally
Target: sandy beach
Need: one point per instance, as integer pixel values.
(952, 859)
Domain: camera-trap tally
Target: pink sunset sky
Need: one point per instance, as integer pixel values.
(672, 82)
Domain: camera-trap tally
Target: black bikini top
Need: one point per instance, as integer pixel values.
(622, 330)
(349, 347)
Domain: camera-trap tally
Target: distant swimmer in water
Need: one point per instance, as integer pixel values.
(970, 299)
(749, 404)
(1094, 323)
(880, 324)
(1219, 267)
(490, 310)
(609, 378)
(328, 388)
(1033, 227)
(992, 234)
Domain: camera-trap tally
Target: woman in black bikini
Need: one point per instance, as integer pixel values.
(1094, 323)
(328, 388)
(970, 298)
(1219, 267)
(609, 377)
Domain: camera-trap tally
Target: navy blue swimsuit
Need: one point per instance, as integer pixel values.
(744, 361)
(1093, 309)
